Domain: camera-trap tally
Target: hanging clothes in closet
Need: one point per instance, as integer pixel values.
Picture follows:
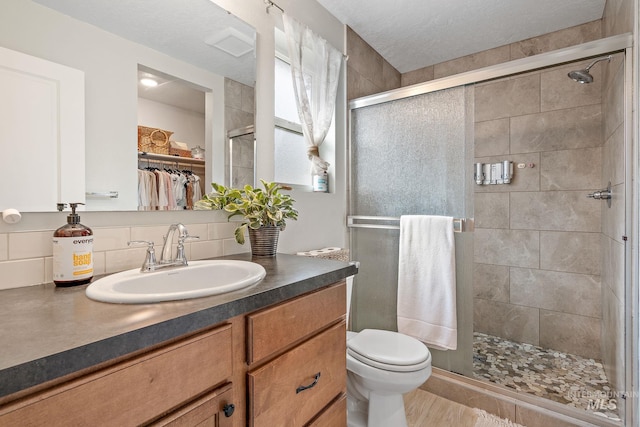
(167, 189)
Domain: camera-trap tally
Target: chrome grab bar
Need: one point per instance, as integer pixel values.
(460, 225)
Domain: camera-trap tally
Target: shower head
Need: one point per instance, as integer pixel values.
(583, 76)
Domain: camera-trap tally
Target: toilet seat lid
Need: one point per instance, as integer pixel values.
(389, 350)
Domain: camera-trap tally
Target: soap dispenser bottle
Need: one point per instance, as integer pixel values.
(72, 251)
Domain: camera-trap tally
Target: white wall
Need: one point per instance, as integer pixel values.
(187, 126)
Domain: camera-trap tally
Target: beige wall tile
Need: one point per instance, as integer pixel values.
(512, 322)
(491, 282)
(556, 40)
(613, 102)
(554, 211)
(506, 98)
(558, 130)
(557, 291)
(232, 94)
(491, 138)
(518, 248)
(613, 218)
(572, 252)
(105, 239)
(491, 210)
(579, 169)
(613, 159)
(617, 17)
(358, 86)
(364, 59)
(559, 92)
(390, 76)
(32, 244)
(570, 333)
(613, 261)
(201, 231)
(248, 99)
(613, 339)
(20, 273)
(474, 61)
(417, 76)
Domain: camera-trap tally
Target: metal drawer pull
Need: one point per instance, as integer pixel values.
(305, 387)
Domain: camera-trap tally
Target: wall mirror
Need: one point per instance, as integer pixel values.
(200, 45)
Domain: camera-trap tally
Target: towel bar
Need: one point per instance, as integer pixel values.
(460, 225)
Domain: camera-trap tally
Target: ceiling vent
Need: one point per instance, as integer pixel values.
(231, 41)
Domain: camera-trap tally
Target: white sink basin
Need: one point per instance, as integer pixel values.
(198, 279)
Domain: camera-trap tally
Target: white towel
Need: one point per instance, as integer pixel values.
(427, 280)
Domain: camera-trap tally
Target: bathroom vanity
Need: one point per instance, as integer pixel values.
(272, 354)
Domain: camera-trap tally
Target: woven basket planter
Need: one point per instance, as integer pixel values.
(264, 241)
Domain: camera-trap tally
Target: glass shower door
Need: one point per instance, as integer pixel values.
(411, 156)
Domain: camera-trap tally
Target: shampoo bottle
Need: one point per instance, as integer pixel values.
(72, 251)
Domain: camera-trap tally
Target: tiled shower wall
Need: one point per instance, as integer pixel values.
(239, 112)
(537, 241)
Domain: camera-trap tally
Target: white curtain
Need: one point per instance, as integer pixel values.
(315, 67)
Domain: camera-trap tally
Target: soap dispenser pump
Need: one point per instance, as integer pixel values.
(72, 251)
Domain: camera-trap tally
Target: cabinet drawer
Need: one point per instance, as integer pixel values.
(207, 411)
(275, 328)
(132, 392)
(275, 388)
(333, 415)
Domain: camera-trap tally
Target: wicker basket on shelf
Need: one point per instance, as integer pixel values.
(153, 140)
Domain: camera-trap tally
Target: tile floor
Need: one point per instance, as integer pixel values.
(562, 377)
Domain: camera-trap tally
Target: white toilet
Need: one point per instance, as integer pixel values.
(381, 367)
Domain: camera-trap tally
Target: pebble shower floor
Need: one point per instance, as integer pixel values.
(562, 377)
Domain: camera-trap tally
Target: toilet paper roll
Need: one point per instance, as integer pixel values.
(11, 216)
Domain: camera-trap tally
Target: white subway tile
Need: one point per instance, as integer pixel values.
(99, 263)
(150, 233)
(231, 247)
(17, 274)
(206, 249)
(125, 259)
(106, 239)
(4, 247)
(222, 230)
(32, 244)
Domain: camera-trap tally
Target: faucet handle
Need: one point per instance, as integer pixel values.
(149, 263)
(140, 243)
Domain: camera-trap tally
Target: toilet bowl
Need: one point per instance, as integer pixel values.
(381, 367)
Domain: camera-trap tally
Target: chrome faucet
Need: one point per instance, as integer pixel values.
(151, 264)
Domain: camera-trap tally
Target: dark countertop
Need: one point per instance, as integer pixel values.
(48, 332)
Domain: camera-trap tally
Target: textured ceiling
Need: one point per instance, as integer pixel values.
(412, 34)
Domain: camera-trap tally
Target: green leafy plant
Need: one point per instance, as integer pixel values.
(259, 207)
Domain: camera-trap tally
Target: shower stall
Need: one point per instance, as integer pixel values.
(542, 269)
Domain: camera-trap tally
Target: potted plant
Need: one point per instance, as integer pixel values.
(265, 212)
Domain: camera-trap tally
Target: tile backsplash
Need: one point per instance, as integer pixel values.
(26, 256)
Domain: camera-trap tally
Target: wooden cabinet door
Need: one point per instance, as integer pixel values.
(294, 387)
(214, 409)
